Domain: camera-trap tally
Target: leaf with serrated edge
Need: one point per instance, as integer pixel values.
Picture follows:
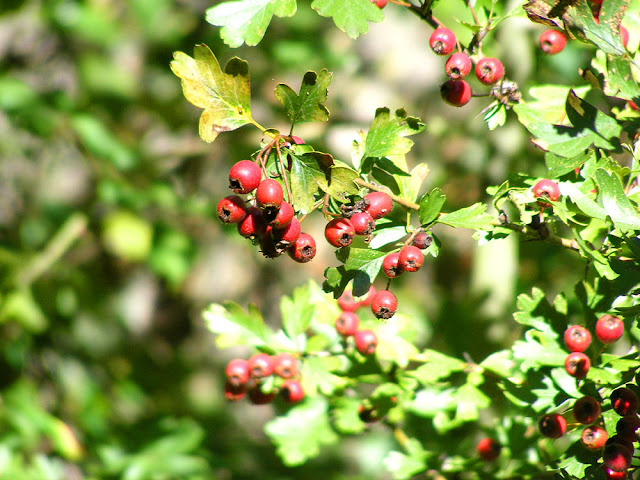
(351, 17)
(235, 326)
(308, 105)
(473, 217)
(618, 207)
(387, 134)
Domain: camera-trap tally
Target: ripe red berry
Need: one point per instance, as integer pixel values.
(233, 393)
(347, 323)
(552, 425)
(624, 36)
(546, 189)
(442, 41)
(633, 106)
(611, 475)
(339, 232)
(363, 223)
(260, 365)
(269, 194)
(489, 70)
(577, 338)
(379, 204)
(458, 65)
(253, 225)
(231, 209)
(303, 249)
(410, 258)
(285, 365)
(384, 304)
(287, 236)
(594, 437)
(391, 266)
(624, 401)
(237, 372)
(347, 303)
(617, 457)
(455, 92)
(586, 410)
(422, 240)
(244, 176)
(627, 427)
(366, 341)
(258, 397)
(552, 41)
(577, 364)
(379, 3)
(282, 217)
(292, 391)
(609, 329)
(488, 449)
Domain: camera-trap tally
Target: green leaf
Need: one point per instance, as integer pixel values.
(351, 17)
(469, 399)
(340, 184)
(430, 206)
(346, 418)
(615, 203)
(559, 166)
(604, 130)
(436, 367)
(296, 312)
(410, 186)
(496, 116)
(405, 465)
(235, 326)
(365, 260)
(301, 433)
(246, 21)
(308, 105)
(316, 375)
(501, 363)
(384, 236)
(387, 134)
(613, 75)
(548, 105)
(473, 217)
(391, 345)
(582, 201)
(306, 172)
(224, 96)
(536, 312)
(538, 350)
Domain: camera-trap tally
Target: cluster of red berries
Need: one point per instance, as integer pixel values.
(268, 220)
(456, 91)
(348, 323)
(248, 377)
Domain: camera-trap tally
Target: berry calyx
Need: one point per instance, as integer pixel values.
(609, 329)
(422, 240)
(545, 190)
(347, 324)
(231, 209)
(577, 364)
(391, 266)
(624, 401)
(594, 437)
(489, 70)
(253, 225)
(379, 204)
(260, 365)
(488, 449)
(552, 425)
(233, 393)
(617, 457)
(458, 65)
(303, 249)
(258, 397)
(292, 391)
(366, 341)
(455, 92)
(285, 365)
(384, 304)
(363, 223)
(410, 258)
(244, 176)
(577, 338)
(586, 410)
(442, 41)
(237, 372)
(339, 232)
(269, 194)
(552, 41)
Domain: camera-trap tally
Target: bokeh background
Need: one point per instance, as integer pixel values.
(110, 246)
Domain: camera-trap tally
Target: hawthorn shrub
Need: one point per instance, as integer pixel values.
(355, 357)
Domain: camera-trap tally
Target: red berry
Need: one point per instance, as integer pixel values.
(442, 41)
(384, 304)
(488, 449)
(231, 209)
(269, 194)
(586, 410)
(577, 364)
(366, 341)
(237, 372)
(410, 258)
(347, 324)
(611, 475)
(285, 365)
(379, 3)
(577, 338)
(292, 391)
(546, 189)
(609, 329)
(455, 92)
(282, 217)
(594, 437)
(268, 245)
(379, 204)
(489, 70)
(391, 266)
(253, 225)
(552, 425)
(422, 240)
(303, 249)
(347, 303)
(624, 36)
(458, 65)
(287, 236)
(617, 457)
(552, 41)
(627, 427)
(624, 401)
(258, 397)
(244, 176)
(233, 393)
(260, 365)
(339, 232)
(363, 223)
(367, 298)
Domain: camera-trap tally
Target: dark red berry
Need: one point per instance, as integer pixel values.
(577, 338)
(442, 41)
(455, 92)
(609, 329)
(287, 236)
(624, 401)
(488, 449)
(586, 410)
(260, 365)
(577, 364)
(627, 427)
(233, 393)
(617, 457)
(410, 258)
(303, 249)
(244, 176)
(391, 266)
(258, 397)
(347, 323)
(253, 225)
(285, 365)
(552, 41)
(594, 437)
(552, 425)
(292, 391)
(366, 341)
(384, 304)
(363, 223)
(422, 240)
(237, 371)
(489, 70)
(379, 204)
(458, 65)
(282, 217)
(611, 475)
(347, 303)
(231, 209)
(269, 194)
(339, 232)
(545, 190)
(268, 245)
